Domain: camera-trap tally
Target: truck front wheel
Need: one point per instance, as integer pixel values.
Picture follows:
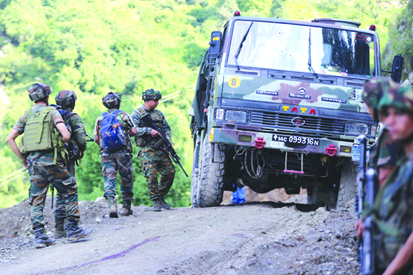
(348, 183)
(211, 175)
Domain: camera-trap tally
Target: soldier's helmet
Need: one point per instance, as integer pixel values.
(66, 99)
(112, 100)
(39, 91)
(151, 94)
(400, 98)
(374, 90)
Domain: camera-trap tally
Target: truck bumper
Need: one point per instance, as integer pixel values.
(261, 140)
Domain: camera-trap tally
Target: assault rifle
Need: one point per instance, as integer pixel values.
(163, 141)
(90, 138)
(366, 248)
(361, 177)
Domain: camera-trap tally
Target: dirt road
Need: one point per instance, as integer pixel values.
(254, 238)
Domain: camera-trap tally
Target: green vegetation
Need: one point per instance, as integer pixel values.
(96, 46)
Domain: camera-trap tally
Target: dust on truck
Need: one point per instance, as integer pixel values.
(278, 105)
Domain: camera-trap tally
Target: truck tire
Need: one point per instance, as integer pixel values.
(348, 183)
(211, 177)
(195, 177)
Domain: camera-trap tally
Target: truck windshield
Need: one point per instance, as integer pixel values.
(290, 47)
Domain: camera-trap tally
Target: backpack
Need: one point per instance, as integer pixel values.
(40, 134)
(71, 146)
(112, 134)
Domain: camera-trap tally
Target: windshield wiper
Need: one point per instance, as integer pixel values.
(309, 55)
(240, 46)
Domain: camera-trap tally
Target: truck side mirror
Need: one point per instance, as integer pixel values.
(215, 44)
(397, 68)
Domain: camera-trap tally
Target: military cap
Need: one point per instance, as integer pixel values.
(151, 94)
(374, 90)
(39, 91)
(400, 98)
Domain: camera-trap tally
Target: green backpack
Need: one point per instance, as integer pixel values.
(40, 134)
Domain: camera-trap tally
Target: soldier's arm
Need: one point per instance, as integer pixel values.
(63, 130)
(140, 131)
(78, 131)
(403, 259)
(11, 140)
(96, 132)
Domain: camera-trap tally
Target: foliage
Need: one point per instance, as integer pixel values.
(127, 46)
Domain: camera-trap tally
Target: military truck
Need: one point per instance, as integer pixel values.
(278, 105)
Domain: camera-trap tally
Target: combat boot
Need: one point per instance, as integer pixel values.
(41, 239)
(60, 231)
(113, 208)
(126, 209)
(156, 205)
(75, 233)
(164, 205)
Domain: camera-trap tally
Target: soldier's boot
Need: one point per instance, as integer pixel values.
(156, 205)
(126, 209)
(164, 205)
(41, 239)
(113, 208)
(60, 231)
(75, 233)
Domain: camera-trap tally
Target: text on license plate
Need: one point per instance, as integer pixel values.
(296, 140)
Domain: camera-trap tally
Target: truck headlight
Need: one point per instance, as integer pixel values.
(219, 114)
(375, 129)
(238, 116)
(355, 128)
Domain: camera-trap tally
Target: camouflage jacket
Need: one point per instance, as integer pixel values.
(144, 137)
(77, 131)
(393, 212)
(43, 158)
(126, 123)
(385, 152)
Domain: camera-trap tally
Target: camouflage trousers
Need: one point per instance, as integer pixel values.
(154, 162)
(60, 210)
(112, 163)
(62, 180)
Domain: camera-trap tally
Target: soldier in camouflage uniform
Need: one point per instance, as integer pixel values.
(121, 160)
(154, 161)
(76, 148)
(43, 172)
(393, 206)
(384, 153)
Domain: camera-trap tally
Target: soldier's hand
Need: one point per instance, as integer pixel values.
(360, 228)
(154, 133)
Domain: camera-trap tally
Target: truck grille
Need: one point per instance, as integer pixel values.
(316, 124)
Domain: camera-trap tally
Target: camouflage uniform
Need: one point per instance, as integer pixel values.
(393, 205)
(78, 135)
(42, 172)
(154, 162)
(121, 161)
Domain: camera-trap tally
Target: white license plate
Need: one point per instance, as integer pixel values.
(296, 140)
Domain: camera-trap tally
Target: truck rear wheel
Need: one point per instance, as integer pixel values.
(211, 180)
(348, 183)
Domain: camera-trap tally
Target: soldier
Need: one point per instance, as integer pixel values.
(76, 148)
(44, 165)
(393, 206)
(384, 153)
(154, 161)
(119, 160)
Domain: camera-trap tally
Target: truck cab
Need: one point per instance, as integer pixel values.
(278, 105)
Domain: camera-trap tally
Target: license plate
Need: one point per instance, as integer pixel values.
(296, 140)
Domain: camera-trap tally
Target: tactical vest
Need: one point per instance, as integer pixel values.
(147, 139)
